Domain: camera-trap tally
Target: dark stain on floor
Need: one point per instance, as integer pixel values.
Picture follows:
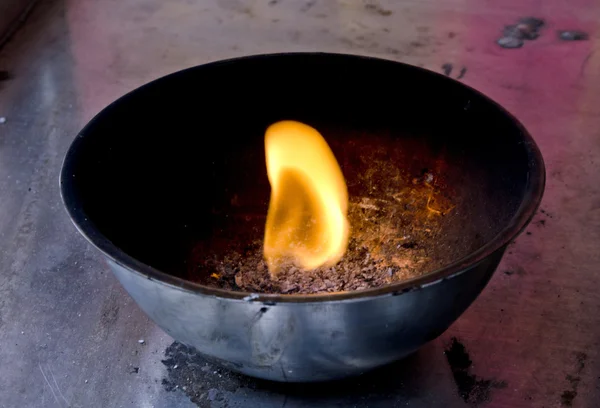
(568, 395)
(472, 389)
(376, 8)
(202, 381)
(526, 29)
(208, 384)
(516, 270)
(5, 75)
(308, 5)
(573, 35)
(110, 311)
(447, 68)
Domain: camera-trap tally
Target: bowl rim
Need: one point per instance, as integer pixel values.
(531, 199)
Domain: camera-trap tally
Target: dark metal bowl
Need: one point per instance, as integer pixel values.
(151, 173)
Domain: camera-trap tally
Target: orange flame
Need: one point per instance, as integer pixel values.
(306, 223)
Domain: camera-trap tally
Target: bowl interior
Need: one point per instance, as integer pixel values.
(181, 160)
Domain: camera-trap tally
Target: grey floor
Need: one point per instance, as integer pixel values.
(69, 333)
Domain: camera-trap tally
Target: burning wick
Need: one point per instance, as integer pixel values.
(306, 223)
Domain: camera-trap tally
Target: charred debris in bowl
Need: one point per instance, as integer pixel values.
(392, 239)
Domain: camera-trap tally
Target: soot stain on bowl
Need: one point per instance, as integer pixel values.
(472, 389)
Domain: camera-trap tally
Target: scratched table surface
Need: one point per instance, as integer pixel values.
(71, 337)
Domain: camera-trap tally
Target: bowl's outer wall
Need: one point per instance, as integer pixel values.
(305, 342)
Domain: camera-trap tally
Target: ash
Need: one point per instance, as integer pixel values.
(392, 240)
(202, 381)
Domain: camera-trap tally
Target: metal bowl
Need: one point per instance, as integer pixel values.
(150, 173)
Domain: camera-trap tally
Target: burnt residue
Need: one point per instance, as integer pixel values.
(376, 8)
(5, 75)
(409, 245)
(527, 28)
(573, 35)
(308, 5)
(517, 270)
(510, 42)
(580, 358)
(541, 218)
(109, 315)
(567, 397)
(395, 229)
(574, 378)
(207, 384)
(472, 389)
(447, 69)
(515, 35)
(202, 381)
(406, 290)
